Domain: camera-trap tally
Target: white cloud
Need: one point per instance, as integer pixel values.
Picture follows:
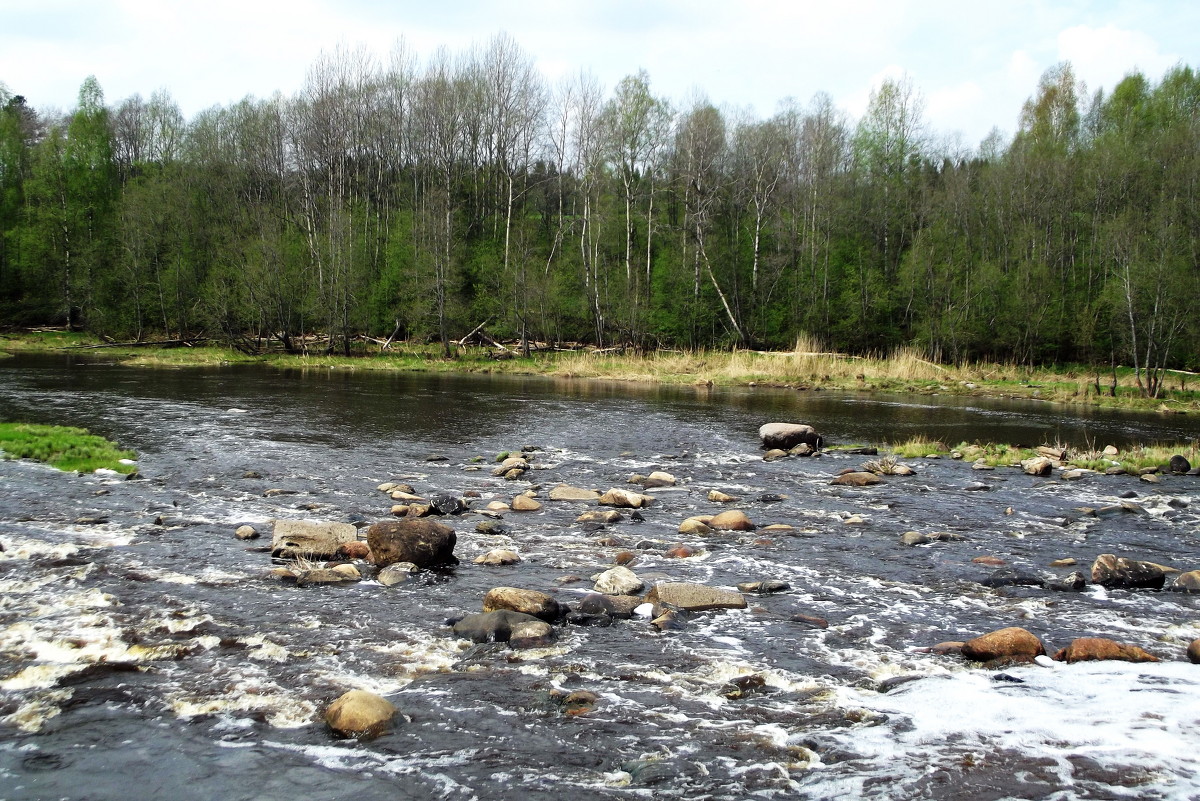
(1103, 56)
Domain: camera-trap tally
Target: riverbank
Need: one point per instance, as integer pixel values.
(902, 371)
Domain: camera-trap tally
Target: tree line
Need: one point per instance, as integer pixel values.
(421, 198)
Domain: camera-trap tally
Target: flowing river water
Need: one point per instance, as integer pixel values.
(145, 652)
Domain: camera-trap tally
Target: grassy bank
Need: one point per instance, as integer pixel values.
(70, 449)
(803, 368)
(1131, 460)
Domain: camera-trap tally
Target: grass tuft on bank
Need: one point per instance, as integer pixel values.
(63, 447)
(1132, 459)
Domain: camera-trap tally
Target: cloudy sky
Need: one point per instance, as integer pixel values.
(974, 63)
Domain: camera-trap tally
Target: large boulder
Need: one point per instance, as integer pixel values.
(310, 539)
(694, 597)
(359, 713)
(494, 626)
(788, 435)
(530, 602)
(423, 542)
(1112, 571)
(1179, 465)
(1091, 649)
(1010, 643)
(1038, 466)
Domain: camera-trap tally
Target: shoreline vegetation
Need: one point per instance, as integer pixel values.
(64, 448)
(805, 368)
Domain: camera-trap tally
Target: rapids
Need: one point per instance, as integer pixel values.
(146, 653)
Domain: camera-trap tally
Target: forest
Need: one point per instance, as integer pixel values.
(421, 198)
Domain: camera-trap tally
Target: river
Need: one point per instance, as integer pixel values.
(145, 652)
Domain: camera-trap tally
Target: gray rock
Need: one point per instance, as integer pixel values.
(491, 626)
(310, 539)
(694, 597)
(396, 573)
(788, 435)
(618, 581)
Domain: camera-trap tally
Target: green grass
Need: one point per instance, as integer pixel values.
(71, 449)
(1132, 459)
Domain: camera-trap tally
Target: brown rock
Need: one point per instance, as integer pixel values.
(424, 542)
(948, 647)
(992, 561)
(1193, 652)
(1092, 649)
(1004, 643)
(1038, 466)
(625, 557)
(716, 496)
(246, 533)
(1068, 562)
(856, 479)
(529, 602)
(532, 634)
(696, 526)
(811, 620)
(359, 713)
(523, 503)
(732, 520)
(1187, 582)
(353, 550)
(564, 492)
(600, 516)
(498, 557)
(680, 552)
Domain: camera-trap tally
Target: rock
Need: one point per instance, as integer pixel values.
(360, 714)
(1110, 450)
(1068, 562)
(624, 499)
(803, 449)
(1179, 465)
(523, 503)
(1010, 643)
(668, 621)
(566, 493)
(1150, 478)
(658, 479)
(771, 497)
(498, 557)
(575, 703)
(246, 533)
(1075, 475)
(530, 602)
(991, 561)
(1038, 466)
(1118, 572)
(494, 528)
(619, 606)
(1187, 582)
(680, 552)
(696, 526)
(1193, 652)
(309, 539)
(618, 581)
(1072, 582)
(423, 542)
(948, 647)
(396, 573)
(764, 587)
(625, 558)
(406, 496)
(494, 626)
(605, 516)
(694, 597)
(353, 550)
(732, 520)
(538, 634)
(903, 470)
(329, 575)
(1052, 452)
(788, 435)
(856, 479)
(716, 496)
(1012, 577)
(911, 538)
(1093, 649)
(810, 620)
(774, 454)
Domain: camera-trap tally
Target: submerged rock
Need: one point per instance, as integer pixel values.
(496, 626)
(396, 573)
(564, 492)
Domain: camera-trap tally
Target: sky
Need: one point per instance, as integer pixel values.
(973, 63)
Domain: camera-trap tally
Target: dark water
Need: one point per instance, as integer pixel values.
(151, 655)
